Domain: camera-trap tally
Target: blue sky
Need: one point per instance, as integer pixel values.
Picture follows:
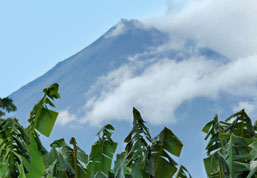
(35, 35)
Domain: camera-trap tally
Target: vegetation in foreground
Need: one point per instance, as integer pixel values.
(231, 150)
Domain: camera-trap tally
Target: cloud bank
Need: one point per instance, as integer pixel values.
(162, 85)
(228, 27)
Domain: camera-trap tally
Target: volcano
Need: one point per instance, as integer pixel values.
(123, 55)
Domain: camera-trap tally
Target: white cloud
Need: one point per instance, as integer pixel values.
(249, 107)
(65, 118)
(174, 6)
(164, 85)
(227, 26)
(125, 25)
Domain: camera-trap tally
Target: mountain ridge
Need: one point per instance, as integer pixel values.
(93, 53)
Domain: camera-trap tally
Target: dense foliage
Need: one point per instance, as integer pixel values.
(22, 154)
(232, 147)
(231, 151)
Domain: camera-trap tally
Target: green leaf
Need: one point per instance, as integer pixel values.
(237, 149)
(68, 161)
(235, 143)
(42, 118)
(253, 145)
(149, 161)
(165, 166)
(168, 140)
(78, 153)
(3, 169)
(164, 143)
(7, 105)
(100, 158)
(136, 169)
(13, 143)
(45, 121)
(57, 165)
(216, 166)
(52, 91)
(21, 171)
(99, 175)
(183, 172)
(120, 168)
(106, 130)
(137, 145)
(36, 166)
(207, 127)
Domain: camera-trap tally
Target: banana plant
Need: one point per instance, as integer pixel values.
(13, 149)
(23, 155)
(149, 157)
(102, 152)
(42, 120)
(41, 117)
(137, 148)
(13, 142)
(64, 161)
(231, 147)
(6, 105)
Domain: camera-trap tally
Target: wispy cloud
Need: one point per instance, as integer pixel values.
(65, 118)
(249, 105)
(164, 85)
(116, 31)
